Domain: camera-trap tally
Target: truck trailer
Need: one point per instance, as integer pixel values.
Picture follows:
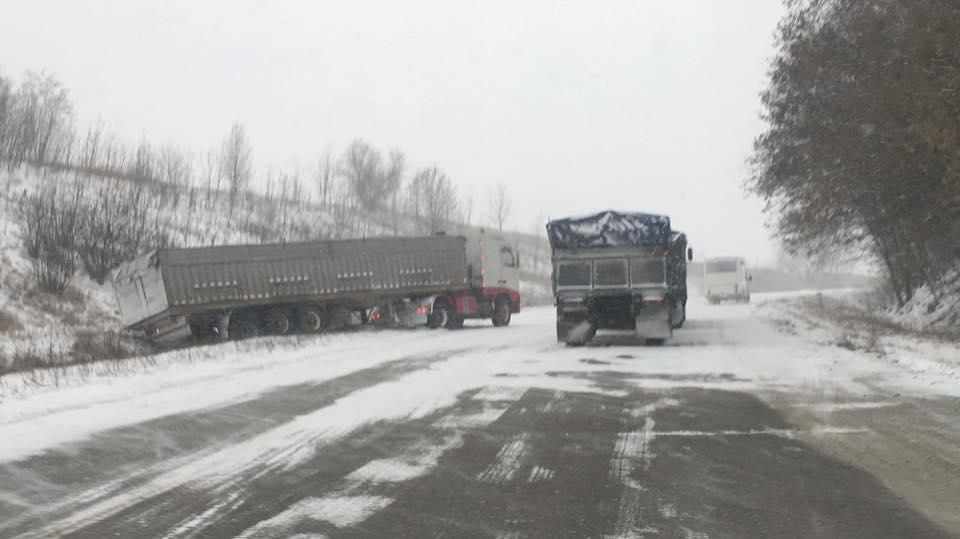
(241, 291)
(618, 271)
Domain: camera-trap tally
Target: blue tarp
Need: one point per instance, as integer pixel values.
(609, 229)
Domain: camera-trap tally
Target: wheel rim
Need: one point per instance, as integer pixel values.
(312, 322)
(279, 323)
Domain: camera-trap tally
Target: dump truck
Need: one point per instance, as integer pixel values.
(241, 291)
(618, 271)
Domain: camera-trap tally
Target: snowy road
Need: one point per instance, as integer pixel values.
(745, 425)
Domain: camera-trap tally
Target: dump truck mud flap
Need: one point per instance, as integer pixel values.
(653, 321)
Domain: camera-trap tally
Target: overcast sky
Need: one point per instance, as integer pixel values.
(647, 105)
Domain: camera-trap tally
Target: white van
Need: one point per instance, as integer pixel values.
(726, 278)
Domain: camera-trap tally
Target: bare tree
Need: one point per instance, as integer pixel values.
(391, 183)
(372, 182)
(175, 167)
(91, 149)
(6, 106)
(324, 178)
(466, 207)
(38, 115)
(343, 213)
(144, 165)
(236, 162)
(431, 200)
(210, 174)
(49, 109)
(500, 205)
(114, 159)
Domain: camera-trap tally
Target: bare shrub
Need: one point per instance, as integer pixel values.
(33, 358)
(116, 226)
(50, 221)
(91, 346)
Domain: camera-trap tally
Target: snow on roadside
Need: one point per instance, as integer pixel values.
(35, 417)
(904, 361)
(932, 310)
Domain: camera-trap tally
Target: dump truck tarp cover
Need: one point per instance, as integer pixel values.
(609, 229)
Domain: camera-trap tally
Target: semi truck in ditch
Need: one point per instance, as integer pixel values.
(618, 271)
(241, 291)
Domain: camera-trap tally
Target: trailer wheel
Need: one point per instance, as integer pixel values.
(220, 326)
(655, 342)
(440, 316)
(502, 312)
(312, 321)
(277, 322)
(201, 327)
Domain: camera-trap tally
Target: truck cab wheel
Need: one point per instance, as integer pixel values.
(440, 316)
(455, 322)
(502, 312)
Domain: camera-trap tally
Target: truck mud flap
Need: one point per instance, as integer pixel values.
(653, 322)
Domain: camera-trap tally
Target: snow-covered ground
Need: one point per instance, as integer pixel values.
(746, 347)
(932, 309)
(452, 384)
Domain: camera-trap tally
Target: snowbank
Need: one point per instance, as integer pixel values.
(933, 309)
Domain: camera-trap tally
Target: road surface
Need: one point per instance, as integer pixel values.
(736, 428)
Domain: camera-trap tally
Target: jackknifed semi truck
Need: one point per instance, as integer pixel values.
(618, 271)
(241, 291)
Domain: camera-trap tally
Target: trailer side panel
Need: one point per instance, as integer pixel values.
(224, 277)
